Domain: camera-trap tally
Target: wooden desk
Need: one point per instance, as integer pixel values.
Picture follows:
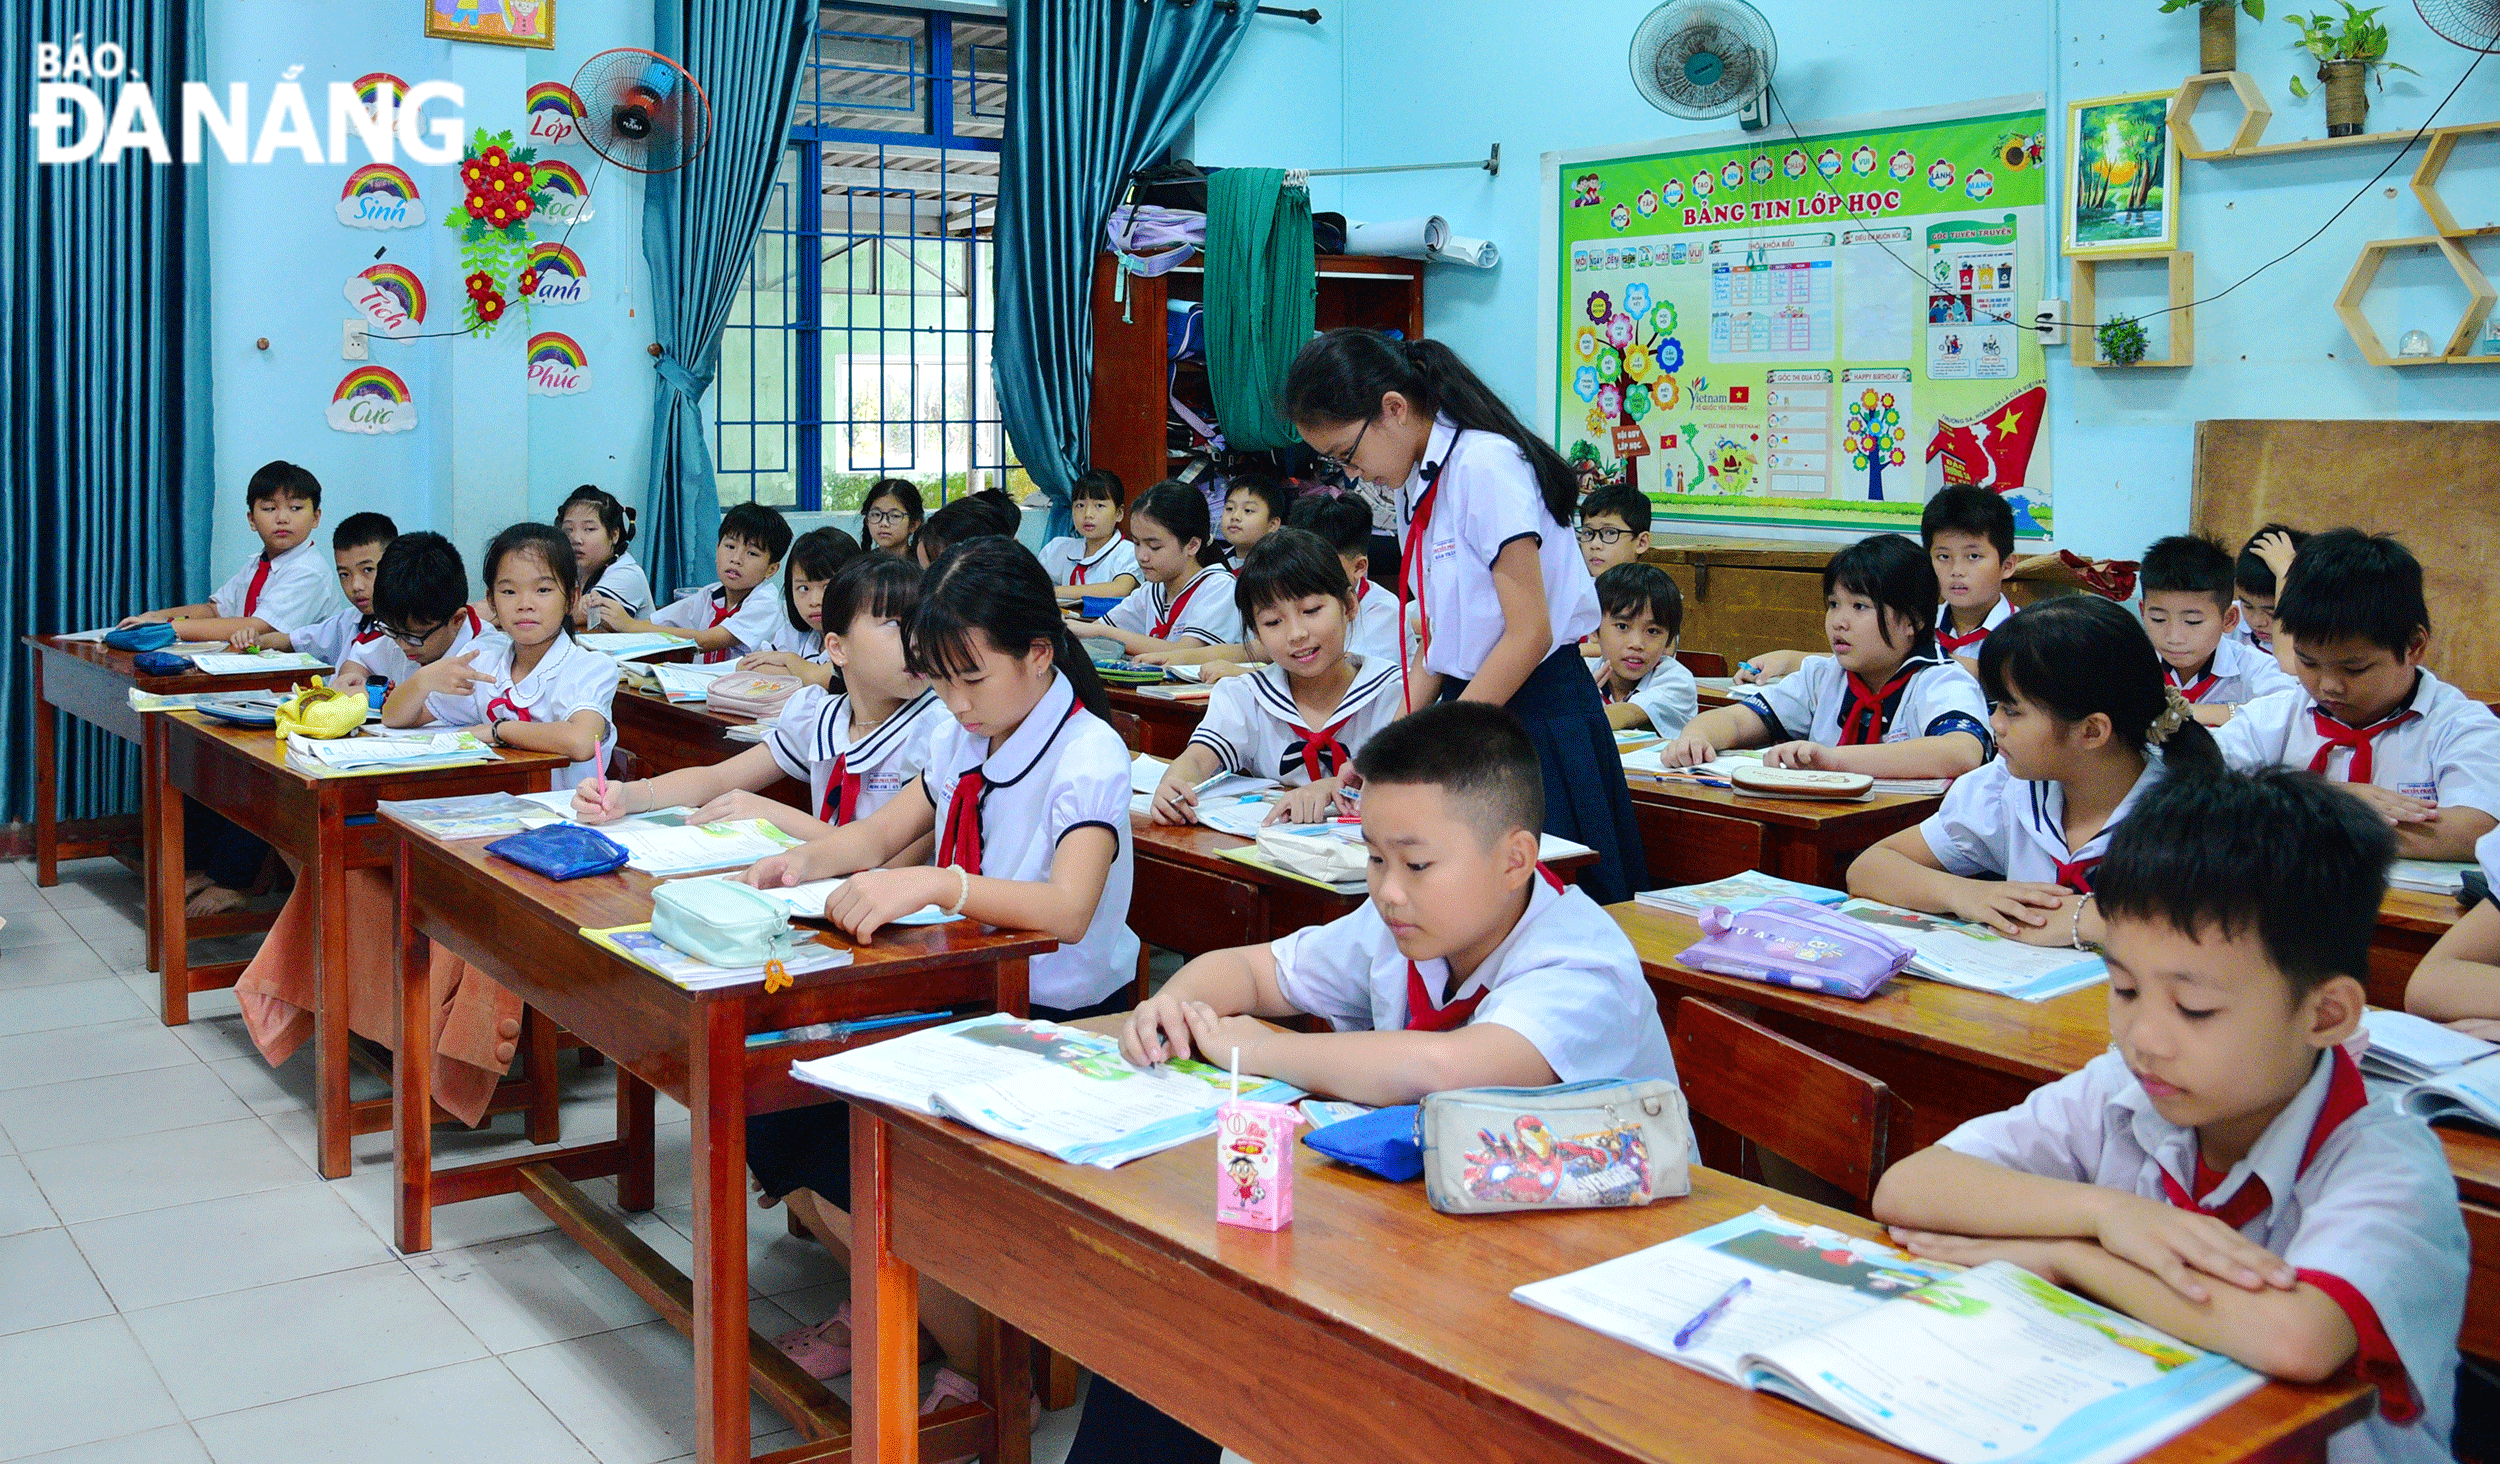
(2410, 922)
(1163, 722)
(525, 932)
(1373, 1329)
(2474, 1157)
(664, 736)
(1692, 834)
(325, 825)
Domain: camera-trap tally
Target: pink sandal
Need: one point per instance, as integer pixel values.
(818, 1351)
(947, 1389)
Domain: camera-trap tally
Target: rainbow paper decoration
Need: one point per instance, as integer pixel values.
(380, 196)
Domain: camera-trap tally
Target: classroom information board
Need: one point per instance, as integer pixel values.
(1808, 331)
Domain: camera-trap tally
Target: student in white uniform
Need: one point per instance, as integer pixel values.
(1494, 974)
(421, 610)
(2368, 716)
(2222, 1175)
(2459, 981)
(1886, 701)
(2189, 613)
(1638, 677)
(1027, 794)
(797, 645)
(289, 584)
(735, 613)
(1968, 533)
(1256, 504)
(889, 516)
(1303, 718)
(600, 528)
(529, 685)
(1341, 520)
(2258, 575)
(2086, 727)
(1097, 561)
(1500, 591)
(356, 547)
(1186, 603)
(854, 750)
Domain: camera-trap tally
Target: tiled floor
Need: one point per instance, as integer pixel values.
(177, 1285)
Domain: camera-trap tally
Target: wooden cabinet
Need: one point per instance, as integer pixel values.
(1746, 596)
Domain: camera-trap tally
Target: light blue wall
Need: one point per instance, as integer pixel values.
(1429, 80)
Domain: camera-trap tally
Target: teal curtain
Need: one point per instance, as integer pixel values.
(1096, 90)
(698, 227)
(1262, 295)
(103, 381)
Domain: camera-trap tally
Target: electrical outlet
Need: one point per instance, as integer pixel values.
(2050, 321)
(352, 347)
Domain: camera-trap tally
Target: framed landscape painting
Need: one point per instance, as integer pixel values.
(2122, 172)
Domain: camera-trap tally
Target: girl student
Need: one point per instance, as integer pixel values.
(2459, 981)
(797, 646)
(1097, 560)
(1027, 793)
(889, 516)
(1302, 718)
(1491, 580)
(529, 684)
(1886, 701)
(1187, 602)
(2087, 723)
(855, 750)
(599, 528)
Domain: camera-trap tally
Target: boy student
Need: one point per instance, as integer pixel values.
(1254, 504)
(2258, 573)
(1641, 619)
(727, 618)
(421, 610)
(284, 587)
(1345, 523)
(356, 546)
(1614, 527)
(1098, 559)
(2366, 714)
(2221, 1174)
(1969, 536)
(2189, 615)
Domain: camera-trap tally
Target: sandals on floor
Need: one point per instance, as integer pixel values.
(818, 1351)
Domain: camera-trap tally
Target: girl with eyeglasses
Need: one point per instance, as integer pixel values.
(890, 515)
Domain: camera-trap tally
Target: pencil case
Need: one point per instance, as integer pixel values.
(160, 663)
(1573, 1146)
(1098, 606)
(755, 695)
(1792, 942)
(1765, 782)
(721, 922)
(1380, 1142)
(561, 851)
(320, 710)
(153, 636)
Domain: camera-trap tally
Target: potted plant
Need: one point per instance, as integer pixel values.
(2217, 29)
(2122, 340)
(2348, 48)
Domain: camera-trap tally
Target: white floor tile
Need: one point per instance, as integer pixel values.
(466, 1414)
(75, 1385)
(629, 1394)
(22, 1205)
(245, 1349)
(90, 1110)
(157, 1257)
(175, 1445)
(97, 922)
(372, 1193)
(214, 1037)
(152, 1171)
(20, 894)
(49, 965)
(44, 1282)
(66, 1004)
(529, 1291)
(28, 929)
(149, 987)
(137, 1045)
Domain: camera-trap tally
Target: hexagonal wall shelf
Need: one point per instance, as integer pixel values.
(2253, 116)
(2443, 145)
(2479, 299)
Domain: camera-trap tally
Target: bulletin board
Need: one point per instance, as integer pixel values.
(1806, 330)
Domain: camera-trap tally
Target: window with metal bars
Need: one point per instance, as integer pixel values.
(859, 344)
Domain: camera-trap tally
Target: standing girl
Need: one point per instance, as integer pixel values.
(2087, 724)
(797, 645)
(1489, 572)
(889, 516)
(1186, 602)
(599, 529)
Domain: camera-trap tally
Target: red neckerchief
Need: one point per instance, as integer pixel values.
(1323, 756)
(1423, 1016)
(2076, 874)
(2345, 1096)
(1163, 625)
(1411, 566)
(1862, 722)
(960, 843)
(260, 577)
(2359, 739)
(1078, 567)
(2195, 692)
(720, 613)
(504, 700)
(1953, 640)
(841, 803)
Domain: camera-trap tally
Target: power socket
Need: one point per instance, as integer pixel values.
(2049, 321)
(352, 346)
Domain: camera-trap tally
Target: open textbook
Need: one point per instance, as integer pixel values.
(1991, 1363)
(1062, 1090)
(2436, 1073)
(1970, 955)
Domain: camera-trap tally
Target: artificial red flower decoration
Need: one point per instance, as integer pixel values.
(495, 158)
(522, 208)
(490, 308)
(529, 283)
(480, 283)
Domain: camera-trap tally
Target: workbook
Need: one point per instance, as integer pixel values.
(1145, 774)
(255, 663)
(1060, 1090)
(683, 848)
(1737, 892)
(471, 816)
(1990, 1363)
(807, 902)
(347, 756)
(1961, 954)
(2430, 876)
(2405, 1048)
(632, 645)
(636, 943)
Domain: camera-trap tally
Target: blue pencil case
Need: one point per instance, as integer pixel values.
(561, 851)
(1380, 1142)
(1098, 606)
(160, 663)
(153, 636)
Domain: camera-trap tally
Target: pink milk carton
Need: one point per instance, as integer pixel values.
(1254, 1164)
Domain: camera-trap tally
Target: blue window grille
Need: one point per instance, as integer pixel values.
(859, 344)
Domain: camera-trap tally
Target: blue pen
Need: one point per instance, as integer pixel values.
(822, 1031)
(1711, 1313)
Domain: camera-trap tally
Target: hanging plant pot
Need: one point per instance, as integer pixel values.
(2218, 36)
(2347, 102)
(2122, 340)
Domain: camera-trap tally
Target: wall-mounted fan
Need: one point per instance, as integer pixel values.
(2473, 24)
(1706, 58)
(644, 113)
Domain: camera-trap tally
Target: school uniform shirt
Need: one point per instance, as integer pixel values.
(2245, 634)
(750, 623)
(1993, 825)
(1376, 630)
(807, 645)
(2440, 745)
(849, 776)
(1485, 498)
(569, 678)
(1201, 609)
(625, 586)
(2237, 674)
(1061, 770)
(384, 659)
(1667, 695)
(329, 639)
(1069, 564)
(293, 590)
(2356, 1195)
(1968, 642)
(1929, 696)
(1565, 978)
(1252, 725)
(2487, 857)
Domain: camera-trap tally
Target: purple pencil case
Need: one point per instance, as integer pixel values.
(1789, 942)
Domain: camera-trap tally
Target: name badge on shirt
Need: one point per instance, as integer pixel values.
(2427, 792)
(1444, 549)
(882, 783)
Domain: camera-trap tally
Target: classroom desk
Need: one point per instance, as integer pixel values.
(1163, 722)
(1373, 1329)
(1693, 834)
(326, 826)
(665, 736)
(2474, 1157)
(525, 932)
(2410, 922)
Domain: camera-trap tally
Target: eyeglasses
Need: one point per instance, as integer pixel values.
(412, 639)
(1345, 459)
(886, 518)
(1609, 537)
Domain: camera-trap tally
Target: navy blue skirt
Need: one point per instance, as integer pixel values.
(1586, 797)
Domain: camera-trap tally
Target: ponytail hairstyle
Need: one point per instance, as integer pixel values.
(552, 548)
(819, 554)
(994, 586)
(614, 516)
(1341, 376)
(1182, 512)
(2080, 654)
(1894, 573)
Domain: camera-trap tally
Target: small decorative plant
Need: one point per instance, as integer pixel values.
(2122, 340)
(2348, 48)
(2217, 28)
